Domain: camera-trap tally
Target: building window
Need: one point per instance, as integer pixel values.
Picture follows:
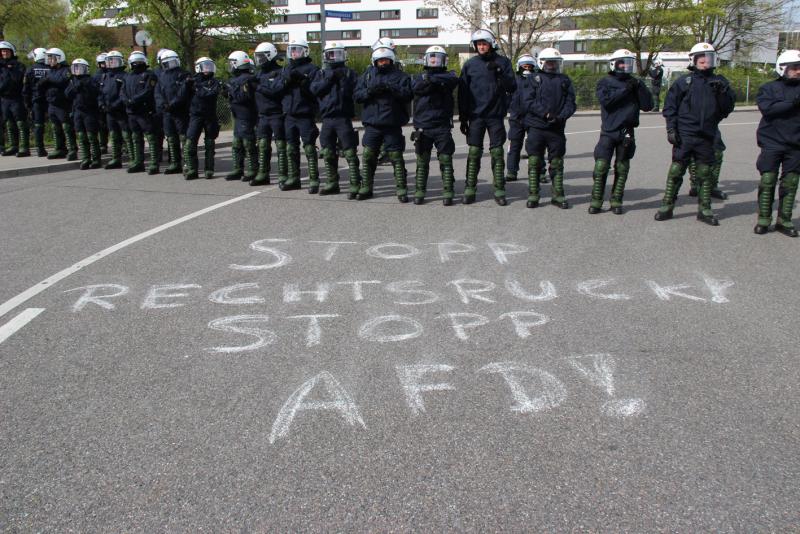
(280, 37)
(280, 19)
(390, 14)
(428, 13)
(312, 17)
(280, 2)
(351, 34)
(312, 36)
(427, 32)
(580, 46)
(390, 33)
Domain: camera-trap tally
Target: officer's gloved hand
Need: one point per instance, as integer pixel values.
(464, 126)
(493, 67)
(296, 76)
(632, 84)
(673, 138)
(340, 73)
(550, 118)
(718, 86)
(796, 101)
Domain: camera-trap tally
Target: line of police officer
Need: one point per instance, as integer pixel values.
(281, 103)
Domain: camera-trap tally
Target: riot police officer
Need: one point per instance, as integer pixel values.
(202, 118)
(112, 101)
(14, 113)
(333, 86)
(271, 119)
(656, 80)
(621, 96)
(693, 109)
(486, 79)
(550, 102)
(433, 122)
(175, 92)
(58, 106)
(139, 94)
(84, 94)
(35, 99)
(100, 60)
(526, 66)
(384, 90)
(778, 137)
(241, 89)
(300, 107)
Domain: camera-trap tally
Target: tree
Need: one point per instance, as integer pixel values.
(734, 27)
(186, 24)
(642, 26)
(28, 21)
(517, 24)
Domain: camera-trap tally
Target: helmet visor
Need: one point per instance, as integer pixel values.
(705, 60)
(261, 58)
(170, 63)
(336, 55)
(53, 59)
(552, 65)
(435, 60)
(79, 69)
(205, 67)
(624, 65)
(113, 62)
(296, 51)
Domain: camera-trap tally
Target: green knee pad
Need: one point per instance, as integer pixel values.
(498, 171)
(673, 185)
(421, 175)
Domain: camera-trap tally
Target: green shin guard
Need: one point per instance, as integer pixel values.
(473, 168)
(152, 154)
(331, 161)
(116, 151)
(786, 196)
(236, 159)
(60, 150)
(673, 185)
(94, 150)
(129, 143)
(190, 162)
(704, 187)
(293, 167)
(370, 157)
(283, 163)
(559, 198)
(498, 172)
(353, 171)
(174, 151)
(421, 176)
(83, 145)
(448, 177)
(766, 197)
(209, 154)
(312, 160)
(24, 138)
(12, 139)
(693, 184)
(72, 145)
(250, 160)
(399, 168)
(621, 169)
(136, 163)
(262, 178)
(534, 170)
(600, 176)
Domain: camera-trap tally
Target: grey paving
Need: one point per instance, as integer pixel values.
(649, 411)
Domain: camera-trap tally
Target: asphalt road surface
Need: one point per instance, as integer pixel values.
(178, 356)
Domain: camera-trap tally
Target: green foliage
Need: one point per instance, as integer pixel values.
(26, 22)
(585, 83)
(185, 25)
(741, 78)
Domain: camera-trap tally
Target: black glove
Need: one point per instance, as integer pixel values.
(189, 81)
(340, 73)
(464, 127)
(632, 84)
(796, 100)
(718, 86)
(491, 65)
(550, 118)
(296, 76)
(673, 138)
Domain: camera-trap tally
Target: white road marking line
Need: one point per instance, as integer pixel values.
(8, 329)
(46, 283)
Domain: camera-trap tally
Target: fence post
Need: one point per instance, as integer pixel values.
(747, 91)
